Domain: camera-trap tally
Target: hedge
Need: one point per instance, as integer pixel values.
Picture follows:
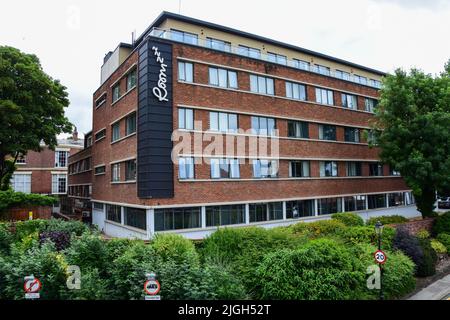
(350, 219)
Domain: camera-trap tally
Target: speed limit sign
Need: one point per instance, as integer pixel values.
(152, 287)
(380, 257)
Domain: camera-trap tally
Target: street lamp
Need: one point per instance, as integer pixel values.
(379, 231)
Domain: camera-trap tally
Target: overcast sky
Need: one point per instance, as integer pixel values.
(71, 37)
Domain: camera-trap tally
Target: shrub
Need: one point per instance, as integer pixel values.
(386, 220)
(366, 234)
(423, 234)
(61, 239)
(71, 226)
(442, 224)
(6, 239)
(438, 247)
(321, 269)
(350, 219)
(318, 228)
(419, 251)
(21, 229)
(10, 199)
(87, 252)
(93, 287)
(444, 238)
(175, 247)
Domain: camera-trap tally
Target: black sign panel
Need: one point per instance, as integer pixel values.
(155, 116)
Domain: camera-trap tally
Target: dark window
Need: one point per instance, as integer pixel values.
(225, 215)
(116, 92)
(100, 170)
(265, 211)
(349, 101)
(327, 132)
(131, 80)
(177, 218)
(375, 169)
(299, 208)
(355, 203)
(265, 168)
(329, 205)
(396, 199)
(351, 134)
(376, 201)
(101, 134)
(100, 101)
(115, 129)
(136, 218)
(130, 170)
(113, 213)
(328, 168)
(353, 169)
(298, 129)
(130, 123)
(299, 169)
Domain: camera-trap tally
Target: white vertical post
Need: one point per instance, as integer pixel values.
(203, 217)
(150, 223)
(284, 210)
(122, 215)
(387, 199)
(343, 204)
(316, 207)
(367, 202)
(247, 213)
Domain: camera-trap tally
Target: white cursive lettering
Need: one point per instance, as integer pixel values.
(161, 90)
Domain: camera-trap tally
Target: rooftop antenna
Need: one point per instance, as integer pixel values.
(133, 37)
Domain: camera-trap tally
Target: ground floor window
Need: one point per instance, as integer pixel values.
(59, 183)
(300, 208)
(21, 182)
(266, 211)
(225, 215)
(98, 206)
(135, 217)
(409, 198)
(177, 218)
(113, 213)
(396, 199)
(376, 201)
(329, 205)
(355, 203)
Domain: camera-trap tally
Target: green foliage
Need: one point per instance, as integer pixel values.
(444, 238)
(21, 229)
(10, 199)
(6, 239)
(350, 219)
(428, 265)
(88, 252)
(386, 220)
(423, 234)
(321, 269)
(412, 131)
(71, 226)
(318, 228)
(442, 224)
(366, 234)
(222, 282)
(31, 108)
(438, 246)
(175, 247)
(93, 287)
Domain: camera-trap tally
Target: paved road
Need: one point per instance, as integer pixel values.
(436, 291)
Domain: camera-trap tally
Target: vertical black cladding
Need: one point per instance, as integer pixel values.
(155, 126)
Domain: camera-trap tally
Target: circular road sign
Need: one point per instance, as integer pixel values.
(380, 257)
(32, 285)
(152, 287)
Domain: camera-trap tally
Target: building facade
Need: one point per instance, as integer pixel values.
(197, 126)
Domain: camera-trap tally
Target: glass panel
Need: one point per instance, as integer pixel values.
(223, 122)
(223, 78)
(253, 83)
(232, 78)
(270, 86)
(262, 85)
(214, 121)
(232, 123)
(213, 77)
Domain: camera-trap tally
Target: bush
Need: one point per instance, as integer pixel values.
(322, 269)
(386, 220)
(10, 199)
(445, 240)
(318, 228)
(366, 234)
(71, 226)
(93, 287)
(419, 251)
(61, 239)
(6, 239)
(21, 229)
(87, 252)
(350, 219)
(222, 283)
(442, 224)
(438, 247)
(423, 234)
(175, 247)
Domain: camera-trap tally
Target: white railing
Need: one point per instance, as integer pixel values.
(226, 47)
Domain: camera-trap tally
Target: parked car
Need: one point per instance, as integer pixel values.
(444, 203)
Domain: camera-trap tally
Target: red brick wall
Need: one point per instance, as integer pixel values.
(413, 227)
(23, 213)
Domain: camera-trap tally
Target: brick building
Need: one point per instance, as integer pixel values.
(45, 172)
(208, 83)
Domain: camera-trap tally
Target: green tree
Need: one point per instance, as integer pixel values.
(412, 128)
(31, 109)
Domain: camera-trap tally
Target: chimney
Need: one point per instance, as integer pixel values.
(75, 134)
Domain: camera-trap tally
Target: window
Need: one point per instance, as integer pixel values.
(359, 79)
(376, 201)
(349, 101)
(223, 78)
(353, 169)
(393, 172)
(370, 104)
(225, 215)
(218, 44)
(61, 159)
(375, 169)
(298, 129)
(342, 75)
(261, 85)
(59, 183)
(295, 91)
(300, 64)
(131, 80)
(329, 205)
(186, 168)
(115, 172)
(328, 168)
(185, 71)
(265, 168)
(177, 218)
(100, 101)
(351, 134)
(113, 213)
(97, 206)
(21, 159)
(327, 132)
(355, 203)
(277, 58)
(409, 198)
(130, 124)
(130, 170)
(135, 217)
(100, 135)
(324, 96)
(375, 83)
(116, 92)
(266, 211)
(396, 199)
(182, 36)
(21, 182)
(185, 119)
(263, 126)
(372, 137)
(249, 52)
(299, 208)
(225, 168)
(223, 122)
(299, 169)
(99, 170)
(321, 69)
(89, 141)
(115, 131)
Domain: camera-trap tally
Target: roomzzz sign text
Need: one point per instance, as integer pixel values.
(161, 90)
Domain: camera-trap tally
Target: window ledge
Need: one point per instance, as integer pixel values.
(122, 96)
(123, 138)
(123, 182)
